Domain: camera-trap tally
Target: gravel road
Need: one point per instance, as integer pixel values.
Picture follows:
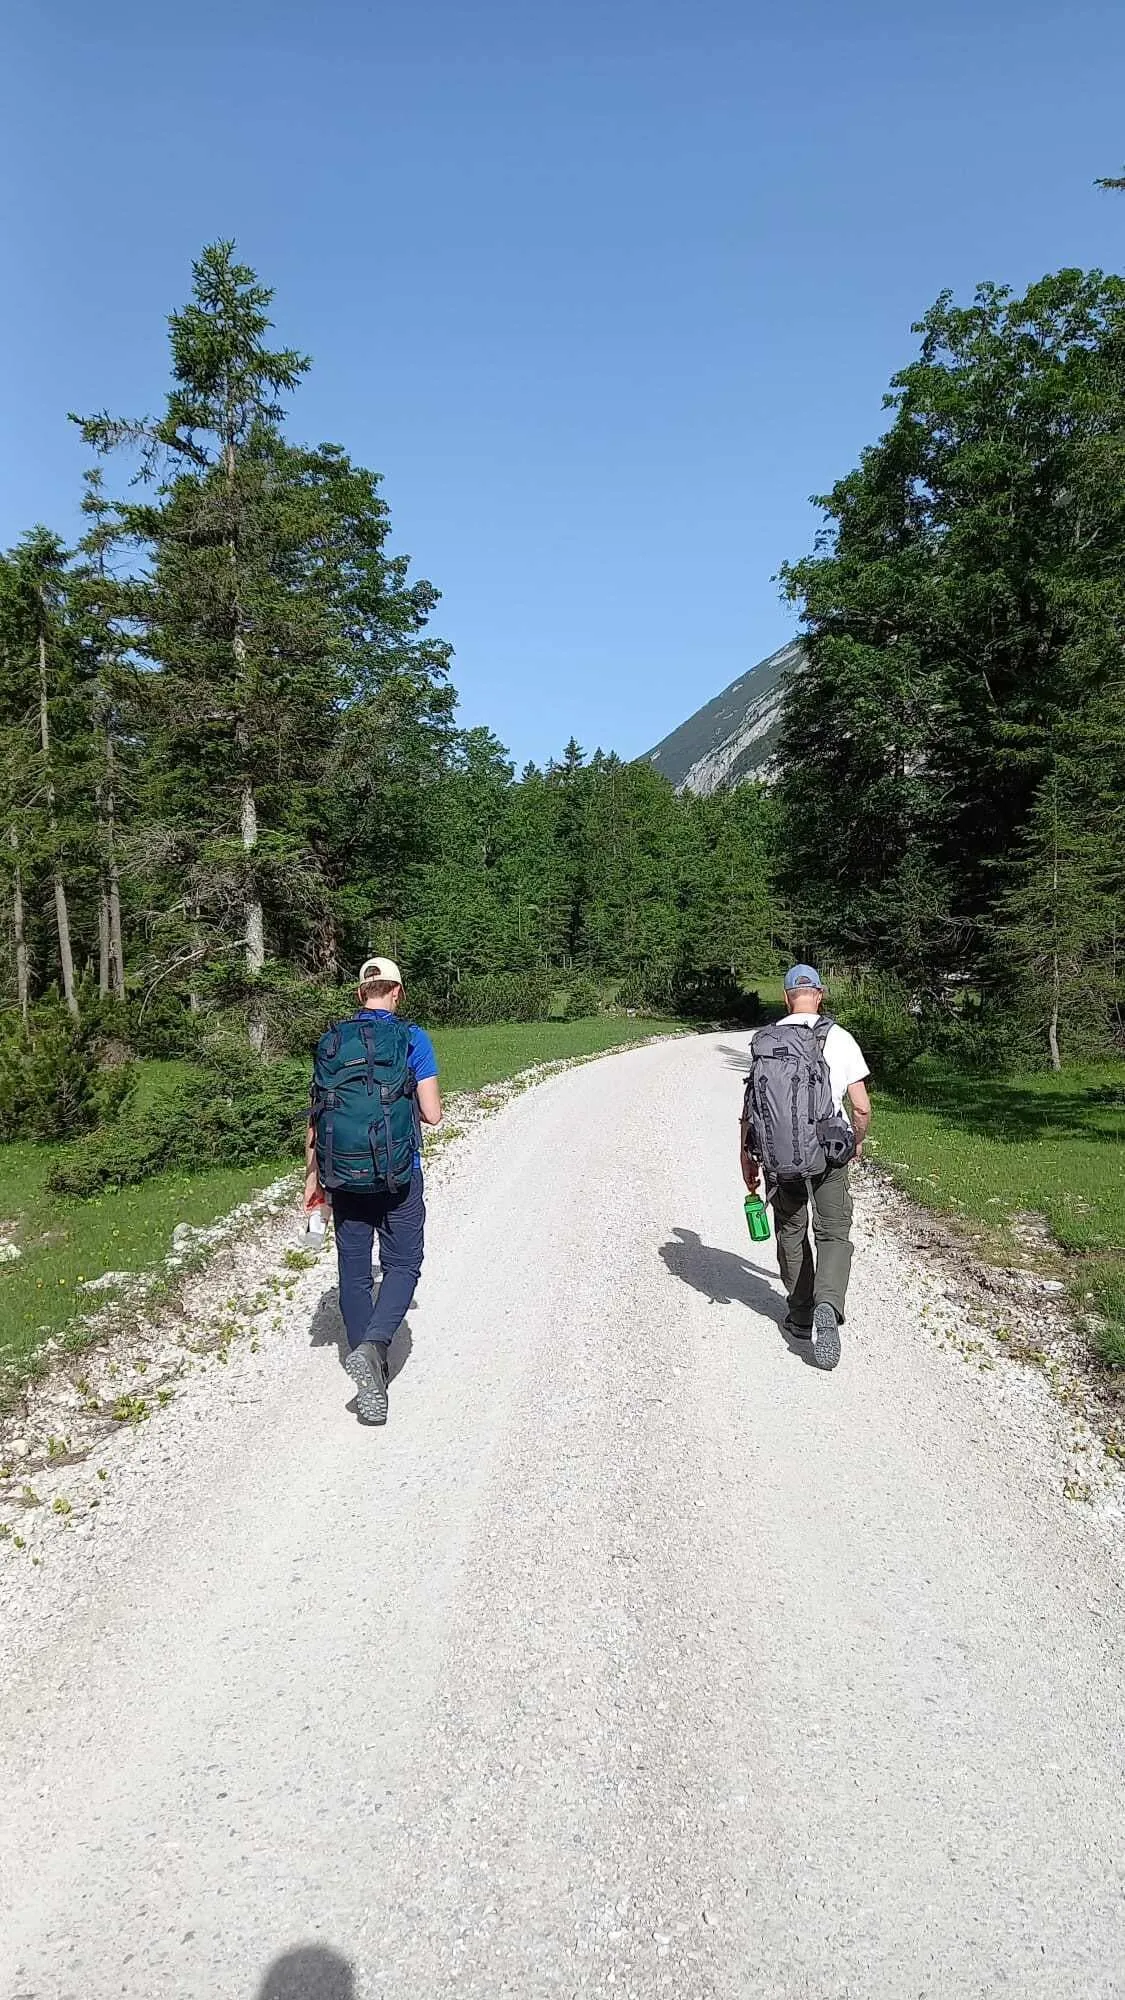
(635, 1657)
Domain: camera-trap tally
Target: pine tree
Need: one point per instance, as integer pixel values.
(41, 687)
(214, 613)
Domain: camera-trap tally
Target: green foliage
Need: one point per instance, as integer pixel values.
(473, 1002)
(233, 1114)
(54, 1082)
(952, 768)
(583, 999)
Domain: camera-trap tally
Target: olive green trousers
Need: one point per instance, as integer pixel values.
(823, 1282)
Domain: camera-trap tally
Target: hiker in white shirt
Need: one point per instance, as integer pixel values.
(816, 1291)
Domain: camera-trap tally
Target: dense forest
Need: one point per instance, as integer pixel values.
(230, 762)
(952, 791)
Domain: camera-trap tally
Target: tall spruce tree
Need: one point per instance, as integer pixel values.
(282, 640)
(964, 606)
(43, 741)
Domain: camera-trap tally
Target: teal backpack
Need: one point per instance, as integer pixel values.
(363, 1106)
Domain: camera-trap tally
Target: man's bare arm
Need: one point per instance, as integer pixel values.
(860, 1105)
(314, 1194)
(429, 1100)
(750, 1169)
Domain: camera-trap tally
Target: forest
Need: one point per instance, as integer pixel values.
(230, 761)
(951, 803)
(232, 765)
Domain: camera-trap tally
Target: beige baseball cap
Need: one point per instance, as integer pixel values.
(380, 968)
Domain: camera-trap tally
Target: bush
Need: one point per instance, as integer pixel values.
(480, 999)
(693, 993)
(878, 1014)
(712, 993)
(233, 1114)
(583, 999)
(55, 1082)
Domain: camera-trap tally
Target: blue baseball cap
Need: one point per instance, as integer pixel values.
(801, 975)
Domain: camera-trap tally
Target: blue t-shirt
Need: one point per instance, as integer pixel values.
(423, 1060)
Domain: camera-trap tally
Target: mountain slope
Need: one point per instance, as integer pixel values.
(733, 737)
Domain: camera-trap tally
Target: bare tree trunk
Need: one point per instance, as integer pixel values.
(62, 917)
(18, 930)
(255, 921)
(116, 950)
(113, 878)
(103, 942)
(1053, 1029)
(254, 916)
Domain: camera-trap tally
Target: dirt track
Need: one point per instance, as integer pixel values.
(634, 1657)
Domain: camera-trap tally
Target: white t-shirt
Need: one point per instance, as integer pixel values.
(842, 1053)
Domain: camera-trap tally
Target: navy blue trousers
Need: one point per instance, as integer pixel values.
(399, 1222)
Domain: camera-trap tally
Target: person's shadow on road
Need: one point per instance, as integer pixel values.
(724, 1278)
(311, 1972)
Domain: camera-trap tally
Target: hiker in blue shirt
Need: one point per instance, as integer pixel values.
(394, 1209)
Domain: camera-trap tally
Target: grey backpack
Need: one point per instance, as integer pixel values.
(793, 1126)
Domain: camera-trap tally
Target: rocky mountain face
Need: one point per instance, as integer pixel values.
(733, 737)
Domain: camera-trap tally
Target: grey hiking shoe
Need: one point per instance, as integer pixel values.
(826, 1337)
(368, 1371)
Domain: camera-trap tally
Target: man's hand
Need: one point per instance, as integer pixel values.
(751, 1173)
(313, 1196)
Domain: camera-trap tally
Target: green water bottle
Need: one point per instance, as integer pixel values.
(757, 1219)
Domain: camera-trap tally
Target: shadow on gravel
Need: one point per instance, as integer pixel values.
(308, 1973)
(326, 1329)
(724, 1278)
(733, 1058)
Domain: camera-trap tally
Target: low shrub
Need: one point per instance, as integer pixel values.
(232, 1114)
(691, 993)
(480, 999)
(583, 999)
(713, 993)
(55, 1080)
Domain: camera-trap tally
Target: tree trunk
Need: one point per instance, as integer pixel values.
(62, 917)
(103, 942)
(113, 957)
(116, 949)
(1053, 1028)
(254, 915)
(18, 931)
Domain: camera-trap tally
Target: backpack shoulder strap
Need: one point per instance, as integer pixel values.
(822, 1031)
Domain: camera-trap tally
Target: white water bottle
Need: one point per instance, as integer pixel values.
(316, 1227)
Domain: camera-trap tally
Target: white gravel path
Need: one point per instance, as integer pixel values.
(635, 1657)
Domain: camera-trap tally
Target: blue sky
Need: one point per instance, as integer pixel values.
(606, 289)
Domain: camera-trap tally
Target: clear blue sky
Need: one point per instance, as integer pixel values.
(605, 288)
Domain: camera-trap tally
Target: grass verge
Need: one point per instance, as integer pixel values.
(1000, 1153)
(63, 1243)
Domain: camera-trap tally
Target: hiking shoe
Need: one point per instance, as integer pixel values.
(826, 1337)
(368, 1371)
(795, 1332)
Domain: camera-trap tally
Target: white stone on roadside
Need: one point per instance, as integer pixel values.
(9, 1252)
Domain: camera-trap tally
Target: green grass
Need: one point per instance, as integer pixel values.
(470, 1058)
(770, 989)
(130, 1229)
(988, 1150)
